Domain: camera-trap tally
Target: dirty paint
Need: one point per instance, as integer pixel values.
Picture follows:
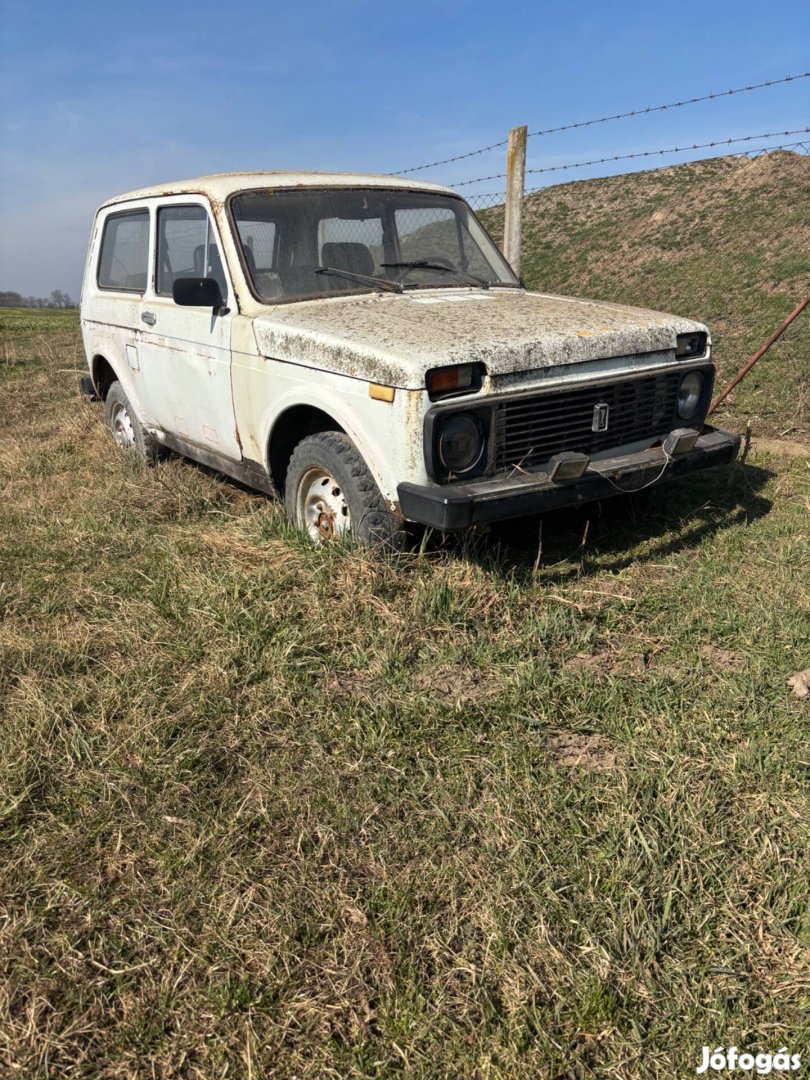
(219, 186)
(394, 339)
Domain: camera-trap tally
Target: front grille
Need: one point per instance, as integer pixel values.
(530, 430)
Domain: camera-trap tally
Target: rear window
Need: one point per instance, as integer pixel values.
(124, 254)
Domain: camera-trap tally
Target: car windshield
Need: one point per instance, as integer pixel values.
(317, 242)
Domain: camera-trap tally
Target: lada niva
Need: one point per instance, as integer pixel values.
(359, 346)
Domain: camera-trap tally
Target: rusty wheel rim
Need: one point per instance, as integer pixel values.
(322, 508)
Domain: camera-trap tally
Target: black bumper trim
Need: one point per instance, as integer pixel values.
(454, 506)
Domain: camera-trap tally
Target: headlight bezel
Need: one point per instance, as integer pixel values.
(474, 433)
(698, 397)
(436, 422)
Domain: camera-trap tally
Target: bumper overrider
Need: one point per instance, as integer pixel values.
(515, 493)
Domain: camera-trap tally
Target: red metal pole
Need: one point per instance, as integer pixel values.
(761, 352)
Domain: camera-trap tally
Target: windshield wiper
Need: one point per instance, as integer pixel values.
(426, 264)
(364, 279)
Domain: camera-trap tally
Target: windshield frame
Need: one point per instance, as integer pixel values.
(361, 290)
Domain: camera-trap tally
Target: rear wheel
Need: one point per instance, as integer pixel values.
(330, 493)
(127, 431)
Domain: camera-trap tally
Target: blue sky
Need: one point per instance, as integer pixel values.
(97, 98)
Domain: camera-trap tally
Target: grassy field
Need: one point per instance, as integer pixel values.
(527, 804)
(726, 241)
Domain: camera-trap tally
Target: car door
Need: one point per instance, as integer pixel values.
(185, 352)
(115, 283)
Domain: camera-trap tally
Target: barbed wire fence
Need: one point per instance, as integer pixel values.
(489, 200)
(514, 182)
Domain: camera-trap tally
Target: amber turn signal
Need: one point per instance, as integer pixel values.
(381, 393)
(458, 379)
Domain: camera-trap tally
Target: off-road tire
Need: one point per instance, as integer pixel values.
(372, 523)
(118, 411)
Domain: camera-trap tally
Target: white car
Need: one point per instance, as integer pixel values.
(358, 345)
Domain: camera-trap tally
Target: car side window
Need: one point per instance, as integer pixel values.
(186, 248)
(124, 255)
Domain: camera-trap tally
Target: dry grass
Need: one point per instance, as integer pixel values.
(270, 811)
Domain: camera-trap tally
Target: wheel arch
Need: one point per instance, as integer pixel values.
(311, 409)
(103, 375)
(294, 423)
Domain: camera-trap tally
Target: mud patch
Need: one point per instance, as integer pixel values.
(609, 663)
(721, 659)
(791, 448)
(589, 662)
(456, 684)
(351, 685)
(627, 656)
(572, 750)
(449, 684)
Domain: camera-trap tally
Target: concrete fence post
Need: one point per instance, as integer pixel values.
(515, 180)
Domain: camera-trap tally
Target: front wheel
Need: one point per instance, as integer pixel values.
(330, 493)
(127, 430)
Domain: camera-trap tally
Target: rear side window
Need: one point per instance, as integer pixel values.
(186, 248)
(124, 254)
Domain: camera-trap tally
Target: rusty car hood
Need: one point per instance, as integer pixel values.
(394, 338)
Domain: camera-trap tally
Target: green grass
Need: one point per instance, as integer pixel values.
(725, 241)
(484, 811)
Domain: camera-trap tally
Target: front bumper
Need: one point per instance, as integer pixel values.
(515, 494)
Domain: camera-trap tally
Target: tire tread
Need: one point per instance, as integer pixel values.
(378, 526)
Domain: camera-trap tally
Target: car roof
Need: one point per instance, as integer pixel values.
(220, 185)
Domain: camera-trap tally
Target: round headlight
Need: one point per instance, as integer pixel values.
(689, 394)
(461, 443)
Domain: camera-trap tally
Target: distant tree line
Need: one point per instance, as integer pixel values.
(57, 299)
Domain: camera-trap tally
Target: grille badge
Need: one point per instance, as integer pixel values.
(601, 413)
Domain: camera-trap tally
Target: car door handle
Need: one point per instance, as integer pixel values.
(149, 317)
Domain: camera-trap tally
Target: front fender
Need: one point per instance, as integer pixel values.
(387, 434)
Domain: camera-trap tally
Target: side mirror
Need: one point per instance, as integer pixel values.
(197, 292)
